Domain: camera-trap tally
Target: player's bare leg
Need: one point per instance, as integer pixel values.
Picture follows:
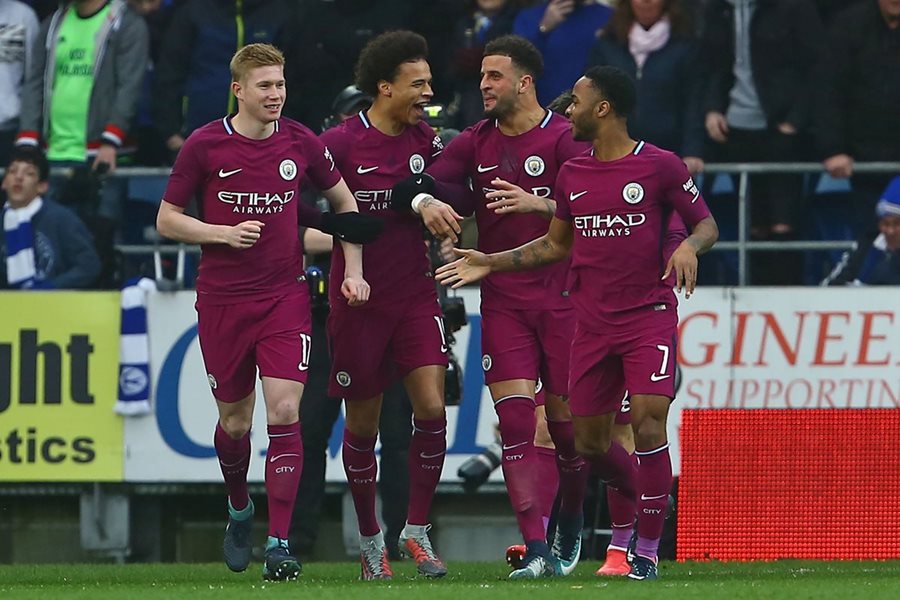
(361, 468)
(232, 442)
(427, 451)
(654, 479)
(573, 476)
(284, 463)
(621, 514)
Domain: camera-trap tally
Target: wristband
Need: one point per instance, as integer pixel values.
(417, 201)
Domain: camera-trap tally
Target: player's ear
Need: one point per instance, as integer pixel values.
(236, 89)
(524, 83)
(384, 88)
(603, 108)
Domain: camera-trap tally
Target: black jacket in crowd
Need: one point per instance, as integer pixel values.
(858, 99)
(785, 43)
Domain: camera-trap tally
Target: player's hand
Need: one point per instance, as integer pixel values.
(509, 198)
(717, 126)
(356, 290)
(244, 234)
(440, 219)
(471, 267)
(684, 262)
(839, 165)
(694, 164)
(445, 249)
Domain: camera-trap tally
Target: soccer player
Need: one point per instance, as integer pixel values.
(400, 333)
(252, 301)
(512, 158)
(613, 211)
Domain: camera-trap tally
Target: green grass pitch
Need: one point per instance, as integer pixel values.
(791, 580)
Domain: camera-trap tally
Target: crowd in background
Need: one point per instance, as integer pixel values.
(718, 81)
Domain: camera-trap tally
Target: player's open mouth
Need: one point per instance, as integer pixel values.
(273, 107)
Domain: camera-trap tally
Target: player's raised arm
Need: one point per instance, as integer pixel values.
(473, 266)
(354, 288)
(172, 223)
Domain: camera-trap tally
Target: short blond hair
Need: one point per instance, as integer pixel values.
(252, 56)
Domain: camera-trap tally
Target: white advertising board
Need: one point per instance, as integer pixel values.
(751, 348)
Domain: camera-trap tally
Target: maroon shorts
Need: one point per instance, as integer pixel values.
(639, 358)
(527, 344)
(273, 334)
(372, 346)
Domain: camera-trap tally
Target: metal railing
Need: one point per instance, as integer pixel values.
(743, 245)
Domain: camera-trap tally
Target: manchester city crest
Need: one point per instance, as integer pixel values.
(343, 378)
(486, 362)
(212, 381)
(287, 169)
(534, 165)
(416, 163)
(633, 193)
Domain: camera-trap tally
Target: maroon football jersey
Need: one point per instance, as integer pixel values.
(531, 161)
(620, 213)
(396, 265)
(238, 179)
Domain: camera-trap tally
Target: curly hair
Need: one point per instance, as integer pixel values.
(382, 57)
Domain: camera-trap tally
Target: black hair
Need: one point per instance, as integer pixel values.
(382, 57)
(525, 56)
(615, 86)
(34, 156)
(561, 102)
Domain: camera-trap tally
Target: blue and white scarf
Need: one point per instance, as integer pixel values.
(134, 349)
(20, 266)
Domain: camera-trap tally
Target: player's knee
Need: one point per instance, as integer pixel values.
(236, 426)
(283, 411)
(429, 410)
(593, 445)
(650, 434)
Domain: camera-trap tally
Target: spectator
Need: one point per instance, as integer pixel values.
(324, 45)
(192, 77)
(484, 21)
(42, 245)
(652, 41)
(18, 28)
(758, 107)
(151, 148)
(857, 116)
(94, 67)
(564, 31)
(876, 259)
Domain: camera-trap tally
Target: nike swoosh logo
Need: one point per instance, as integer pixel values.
(274, 458)
(353, 469)
(573, 196)
(643, 497)
(363, 170)
(654, 377)
(223, 173)
(505, 447)
(486, 169)
(426, 456)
